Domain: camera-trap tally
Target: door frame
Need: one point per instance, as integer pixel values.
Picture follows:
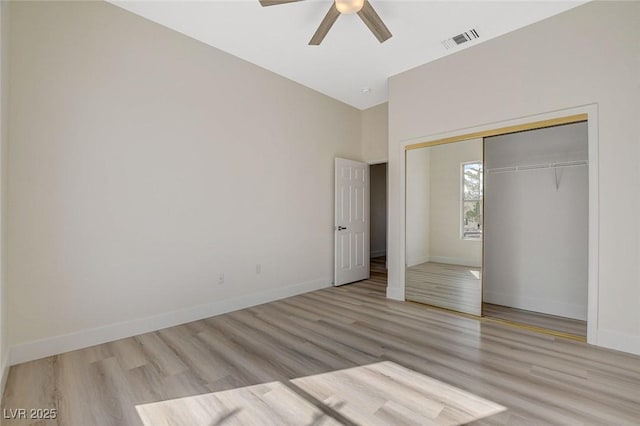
(565, 116)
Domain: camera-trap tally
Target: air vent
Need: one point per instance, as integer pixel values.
(459, 39)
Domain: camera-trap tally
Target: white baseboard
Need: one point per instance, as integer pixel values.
(456, 261)
(413, 261)
(551, 307)
(619, 341)
(5, 374)
(395, 293)
(378, 253)
(81, 339)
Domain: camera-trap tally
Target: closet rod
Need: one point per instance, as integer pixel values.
(537, 166)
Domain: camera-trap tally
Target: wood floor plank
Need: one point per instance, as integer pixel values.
(340, 355)
(160, 355)
(194, 354)
(36, 379)
(129, 353)
(536, 319)
(113, 393)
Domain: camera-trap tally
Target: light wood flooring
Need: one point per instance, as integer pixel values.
(341, 355)
(536, 319)
(454, 287)
(378, 268)
(459, 288)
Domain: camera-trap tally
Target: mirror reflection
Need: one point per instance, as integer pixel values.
(444, 196)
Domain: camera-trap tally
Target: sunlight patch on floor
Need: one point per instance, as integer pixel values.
(380, 393)
(267, 403)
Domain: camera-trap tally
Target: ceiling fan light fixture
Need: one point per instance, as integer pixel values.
(349, 6)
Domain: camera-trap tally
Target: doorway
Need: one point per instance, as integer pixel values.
(378, 219)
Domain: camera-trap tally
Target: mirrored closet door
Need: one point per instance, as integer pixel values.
(499, 227)
(444, 225)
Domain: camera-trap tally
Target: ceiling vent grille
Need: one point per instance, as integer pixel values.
(461, 38)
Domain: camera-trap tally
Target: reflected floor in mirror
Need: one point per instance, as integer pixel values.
(454, 287)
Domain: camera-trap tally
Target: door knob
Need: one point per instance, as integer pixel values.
(340, 228)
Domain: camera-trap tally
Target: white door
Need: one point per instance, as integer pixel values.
(351, 222)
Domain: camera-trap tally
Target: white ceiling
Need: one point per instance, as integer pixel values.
(350, 58)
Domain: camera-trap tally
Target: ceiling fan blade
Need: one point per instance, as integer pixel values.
(325, 25)
(373, 21)
(276, 2)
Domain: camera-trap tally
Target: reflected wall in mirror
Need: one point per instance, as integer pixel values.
(444, 189)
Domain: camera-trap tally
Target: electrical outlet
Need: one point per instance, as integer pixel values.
(258, 269)
(221, 279)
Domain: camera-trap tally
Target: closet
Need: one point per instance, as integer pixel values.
(536, 227)
(498, 227)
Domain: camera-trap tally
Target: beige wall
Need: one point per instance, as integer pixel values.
(587, 55)
(144, 165)
(418, 206)
(4, 113)
(445, 244)
(433, 205)
(375, 133)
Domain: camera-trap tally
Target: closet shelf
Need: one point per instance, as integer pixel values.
(537, 166)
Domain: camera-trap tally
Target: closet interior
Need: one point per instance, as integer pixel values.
(498, 227)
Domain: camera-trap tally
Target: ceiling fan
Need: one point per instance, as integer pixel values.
(363, 8)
